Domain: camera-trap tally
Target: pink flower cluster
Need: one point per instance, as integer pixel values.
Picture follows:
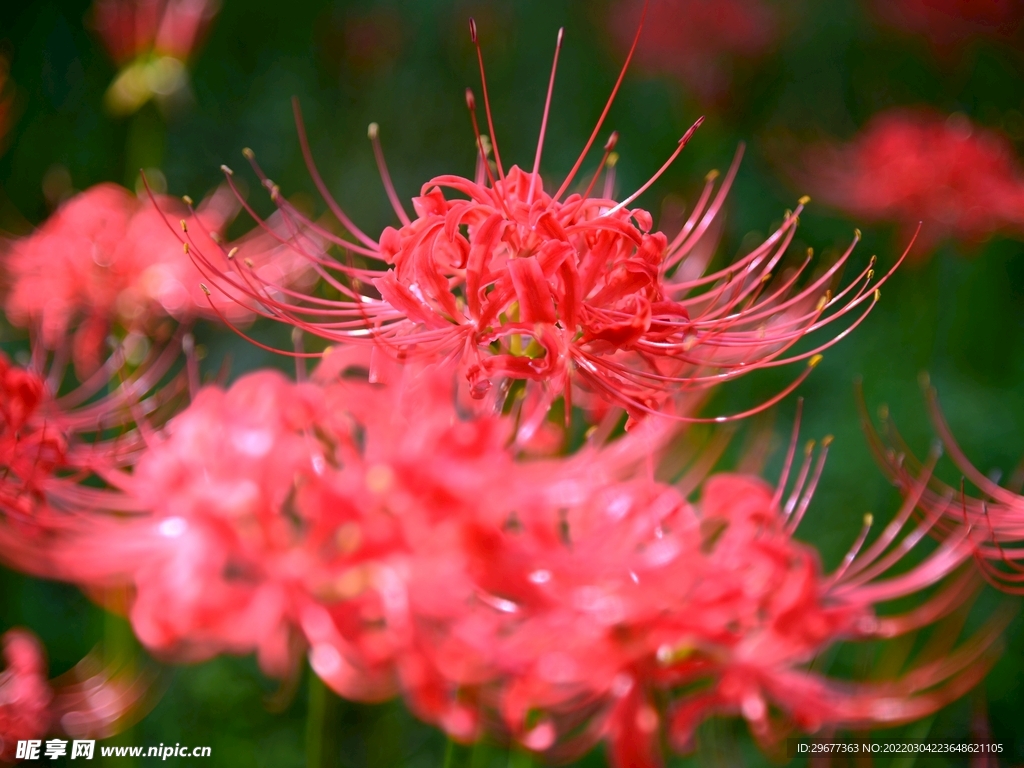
(957, 179)
(85, 701)
(403, 547)
(107, 260)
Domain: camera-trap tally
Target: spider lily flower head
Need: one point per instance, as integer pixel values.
(906, 166)
(994, 519)
(105, 260)
(262, 526)
(574, 296)
(667, 612)
(948, 24)
(409, 547)
(30, 448)
(214, 493)
(151, 40)
(88, 701)
(698, 41)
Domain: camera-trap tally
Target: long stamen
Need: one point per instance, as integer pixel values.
(188, 346)
(607, 107)
(682, 143)
(373, 132)
(851, 555)
(790, 454)
(471, 105)
(487, 101)
(307, 154)
(544, 119)
(609, 147)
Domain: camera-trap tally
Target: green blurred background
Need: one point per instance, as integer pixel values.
(959, 316)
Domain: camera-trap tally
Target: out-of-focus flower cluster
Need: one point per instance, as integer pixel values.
(108, 259)
(955, 178)
(484, 497)
(405, 548)
(948, 24)
(86, 701)
(698, 41)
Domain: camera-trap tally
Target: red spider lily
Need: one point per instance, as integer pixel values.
(963, 181)
(698, 41)
(58, 450)
(995, 521)
(576, 297)
(410, 549)
(948, 24)
(106, 259)
(87, 701)
(214, 559)
(666, 613)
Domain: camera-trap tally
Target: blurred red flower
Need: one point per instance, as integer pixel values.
(107, 260)
(909, 166)
(410, 548)
(85, 702)
(948, 24)
(151, 41)
(698, 41)
(24, 692)
(131, 28)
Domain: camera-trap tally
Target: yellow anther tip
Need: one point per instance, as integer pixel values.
(372, 130)
(804, 200)
(868, 518)
(248, 154)
(712, 175)
(826, 441)
(186, 199)
(813, 362)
